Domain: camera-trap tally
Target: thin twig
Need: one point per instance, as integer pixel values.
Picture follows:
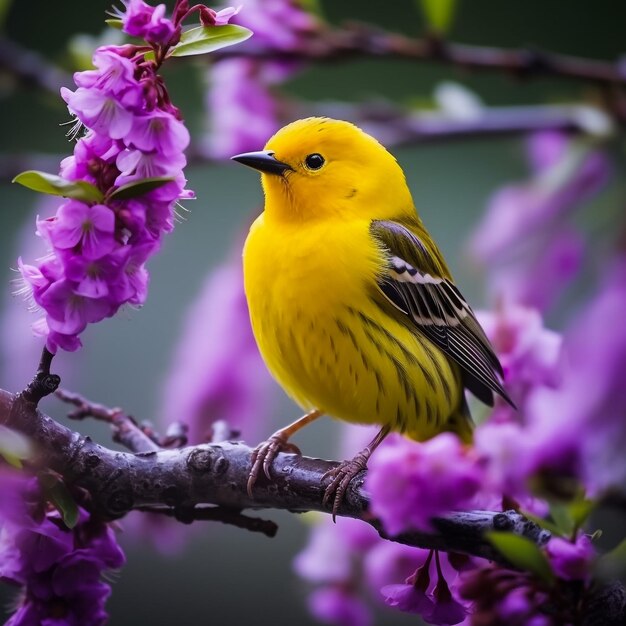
(232, 517)
(30, 68)
(125, 429)
(44, 383)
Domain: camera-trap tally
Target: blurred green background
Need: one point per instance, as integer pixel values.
(225, 575)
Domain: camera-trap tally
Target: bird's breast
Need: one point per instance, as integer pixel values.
(298, 279)
(314, 268)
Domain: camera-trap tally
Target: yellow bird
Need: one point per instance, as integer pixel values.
(352, 305)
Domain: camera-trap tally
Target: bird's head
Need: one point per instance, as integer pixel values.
(319, 167)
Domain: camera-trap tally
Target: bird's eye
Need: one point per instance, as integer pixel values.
(314, 161)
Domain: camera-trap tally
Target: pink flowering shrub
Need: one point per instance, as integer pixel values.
(123, 180)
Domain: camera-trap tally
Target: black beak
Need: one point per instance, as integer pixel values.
(263, 160)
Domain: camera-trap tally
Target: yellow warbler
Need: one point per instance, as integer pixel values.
(351, 302)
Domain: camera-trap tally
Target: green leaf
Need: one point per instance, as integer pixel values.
(14, 447)
(59, 495)
(312, 6)
(544, 523)
(580, 510)
(570, 516)
(612, 564)
(560, 514)
(5, 5)
(522, 553)
(114, 23)
(139, 187)
(57, 186)
(205, 39)
(439, 14)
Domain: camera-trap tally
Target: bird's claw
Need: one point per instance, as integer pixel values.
(341, 476)
(264, 454)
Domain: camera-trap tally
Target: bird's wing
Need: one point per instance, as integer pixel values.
(418, 284)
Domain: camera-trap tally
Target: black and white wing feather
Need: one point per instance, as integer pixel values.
(418, 283)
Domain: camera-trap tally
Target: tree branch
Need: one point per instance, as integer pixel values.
(183, 483)
(216, 474)
(361, 40)
(393, 126)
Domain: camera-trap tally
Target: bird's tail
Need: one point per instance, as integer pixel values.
(461, 423)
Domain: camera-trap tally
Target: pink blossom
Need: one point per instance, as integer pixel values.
(408, 598)
(571, 560)
(91, 227)
(159, 131)
(446, 610)
(387, 562)
(99, 111)
(114, 72)
(147, 22)
(242, 108)
(69, 313)
(132, 283)
(584, 414)
(529, 352)
(59, 570)
(209, 17)
(277, 24)
(136, 164)
(328, 557)
(411, 483)
(94, 276)
(524, 238)
(333, 605)
(92, 153)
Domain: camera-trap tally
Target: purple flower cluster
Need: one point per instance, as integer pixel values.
(524, 239)
(529, 353)
(411, 483)
(242, 107)
(98, 248)
(147, 22)
(59, 570)
(428, 593)
(332, 560)
(502, 596)
(348, 561)
(571, 560)
(569, 432)
(577, 427)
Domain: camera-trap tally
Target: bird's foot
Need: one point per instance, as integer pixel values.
(340, 478)
(264, 454)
